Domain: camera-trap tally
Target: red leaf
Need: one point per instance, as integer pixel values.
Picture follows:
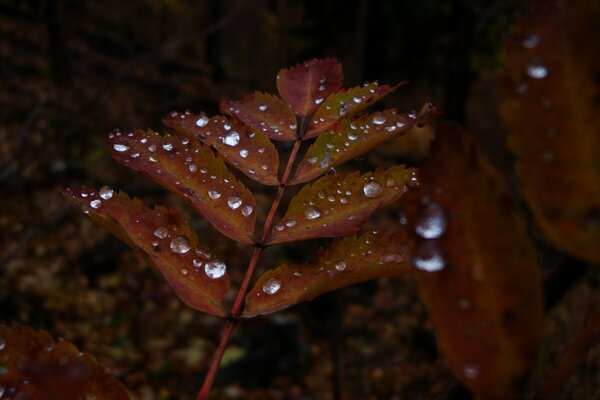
(345, 104)
(553, 114)
(338, 205)
(264, 113)
(191, 170)
(352, 139)
(248, 150)
(33, 366)
(305, 86)
(348, 261)
(165, 240)
(476, 268)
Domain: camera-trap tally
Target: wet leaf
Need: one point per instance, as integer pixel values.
(305, 86)
(338, 205)
(248, 150)
(265, 113)
(190, 169)
(553, 114)
(33, 366)
(165, 240)
(476, 268)
(348, 261)
(349, 140)
(345, 104)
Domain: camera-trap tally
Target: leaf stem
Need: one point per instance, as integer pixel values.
(238, 304)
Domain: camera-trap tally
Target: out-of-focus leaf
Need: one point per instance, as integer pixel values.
(345, 104)
(305, 86)
(553, 114)
(348, 261)
(476, 268)
(165, 240)
(33, 366)
(265, 113)
(248, 150)
(338, 205)
(351, 139)
(190, 169)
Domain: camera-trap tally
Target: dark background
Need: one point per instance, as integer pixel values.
(72, 70)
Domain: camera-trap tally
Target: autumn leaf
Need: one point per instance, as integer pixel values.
(351, 139)
(348, 261)
(165, 240)
(246, 149)
(33, 366)
(345, 104)
(265, 113)
(338, 204)
(191, 170)
(553, 115)
(305, 86)
(476, 269)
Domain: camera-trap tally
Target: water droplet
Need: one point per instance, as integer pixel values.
(161, 232)
(318, 101)
(2, 344)
(184, 271)
(180, 245)
(193, 167)
(312, 159)
(271, 286)
(215, 269)
(341, 265)
(264, 167)
(202, 121)
(531, 41)
(357, 99)
(232, 139)
(431, 222)
(537, 70)
(105, 192)
(373, 189)
(95, 203)
(120, 147)
(214, 194)
(247, 210)
(243, 153)
(197, 263)
(378, 119)
(312, 213)
(234, 202)
(471, 371)
(168, 146)
(290, 223)
(262, 107)
(152, 148)
(427, 257)
(325, 161)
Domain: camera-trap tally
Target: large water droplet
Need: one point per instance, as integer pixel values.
(247, 210)
(341, 265)
(202, 121)
(95, 203)
(161, 232)
(214, 194)
(537, 70)
(234, 202)
(431, 222)
(312, 213)
(180, 245)
(232, 139)
(427, 257)
(373, 189)
(215, 269)
(378, 119)
(120, 147)
(271, 286)
(105, 192)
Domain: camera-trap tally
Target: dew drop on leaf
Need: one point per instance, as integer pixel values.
(340, 265)
(537, 70)
(531, 41)
(262, 107)
(244, 153)
(427, 257)
(168, 146)
(193, 167)
(378, 119)
(471, 371)
(2, 344)
(215, 269)
(95, 203)
(290, 223)
(161, 232)
(105, 192)
(232, 139)
(214, 194)
(120, 147)
(180, 245)
(202, 121)
(234, 202)
(247, 210)
(271, 286)
(312, 213)
(373, 189)
(431, 222)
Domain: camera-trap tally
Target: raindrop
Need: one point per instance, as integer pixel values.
(318, 101)
(152, 148)
(247, 210)
(372, 189)
(232, 139)
(431, 222)
(341, 265)
(184, 271)
(262, 107)
(378, 119)
(537, 70)
(120, 147)
(214, 194)
(312, 159)
(427, 257)
(471, 371)
(325, 161)
(531, 41)
(271, 286)
(202, 121)
(2, 344)
(161, 232)
(168, 146)
(352, 135)
(234, 202)
(193, 167)
(357, 99)
(312, 212)
(215, 269)
(197, 263)
(105, 192)
(180, 245)
(290, 223)
(244, 153)
(95, 203)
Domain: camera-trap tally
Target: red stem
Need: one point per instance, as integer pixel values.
(238, 304)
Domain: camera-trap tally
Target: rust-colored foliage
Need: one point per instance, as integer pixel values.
(166, 240)
(553, 114)
(348, 261)
(477, 270)
(33, 366)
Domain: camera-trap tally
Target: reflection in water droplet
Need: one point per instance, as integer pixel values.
(247, 210)
(373, 189)
(120, 147)
(431, 222)
(105, 192)
(537, 70)
(312, 213)
(180, 245)
(161, 232)
(234, 202)
(232, 139)
(427, 257)
(214, 194)
(215, 269)
(271, 286)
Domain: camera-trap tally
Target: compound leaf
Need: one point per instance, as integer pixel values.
(165, 240)
(264, 113)
(33, 366)
(191, 170)
(305, 86)
(348, 261)
(553, 115)
(476, 268)
(338, 205)
(248, 150)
